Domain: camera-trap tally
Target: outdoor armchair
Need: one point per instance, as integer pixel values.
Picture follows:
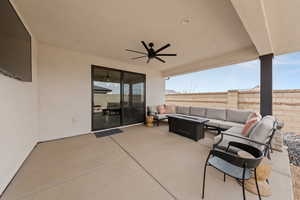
(260, 137)
(233, 165)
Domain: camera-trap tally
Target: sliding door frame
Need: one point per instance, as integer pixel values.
(93, 67)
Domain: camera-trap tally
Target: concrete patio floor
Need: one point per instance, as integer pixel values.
(141, 163)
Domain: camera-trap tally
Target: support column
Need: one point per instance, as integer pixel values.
(266, 86)
(233, 99)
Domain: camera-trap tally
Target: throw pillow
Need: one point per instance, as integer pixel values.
(250, 124)
(170, 109)
(254, 115)
(161, 109)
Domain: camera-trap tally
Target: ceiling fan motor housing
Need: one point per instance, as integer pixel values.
(151, 53)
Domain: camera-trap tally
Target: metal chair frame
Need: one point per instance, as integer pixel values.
(242, 163)
(267, 146)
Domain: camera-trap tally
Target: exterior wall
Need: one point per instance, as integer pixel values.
(19, 121)
(286, 103)
(65, 90)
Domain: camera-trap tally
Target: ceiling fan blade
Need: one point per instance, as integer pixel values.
(138, 57)
(161, 60)
(162, 48)
(167, 54)
(136, 51)
(145, 45)
(148, 60)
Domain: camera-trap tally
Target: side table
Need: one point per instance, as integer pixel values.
(149, 121)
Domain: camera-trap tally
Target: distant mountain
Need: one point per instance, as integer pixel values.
(256, 88)
(171, 92)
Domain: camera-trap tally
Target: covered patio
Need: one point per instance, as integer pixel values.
(140, 163)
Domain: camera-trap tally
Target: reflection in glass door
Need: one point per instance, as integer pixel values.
(106, 111)
(118, 98)
(133, 98)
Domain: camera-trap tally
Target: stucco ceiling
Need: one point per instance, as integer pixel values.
(220, 32)
(106, 27)
(283, 22)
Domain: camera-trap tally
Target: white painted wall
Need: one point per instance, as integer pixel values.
(56, 104)
(19, 121)
(65, 90)
(155, 89)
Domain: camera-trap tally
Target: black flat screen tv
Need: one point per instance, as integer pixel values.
(15, 44)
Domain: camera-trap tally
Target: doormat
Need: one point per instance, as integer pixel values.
(108, 132)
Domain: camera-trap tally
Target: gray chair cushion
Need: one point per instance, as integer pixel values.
(215, 113)
(239, 116)
(198, 111)
(183, 110)
(262, 131)
(235, 130)
(214, 122)
(228, 125)
(161, 116)
(227, 139)
(225, 125)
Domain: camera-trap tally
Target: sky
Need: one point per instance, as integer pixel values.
(286, 75)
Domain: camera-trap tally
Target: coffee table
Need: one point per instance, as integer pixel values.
(187, 126)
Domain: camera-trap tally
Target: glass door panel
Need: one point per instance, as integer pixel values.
(118, 98)
(106, 108)
(133, 98)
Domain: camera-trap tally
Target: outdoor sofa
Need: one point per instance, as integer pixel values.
(229, 124)
(219, 119)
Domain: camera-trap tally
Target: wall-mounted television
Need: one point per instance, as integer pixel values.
(15, 44)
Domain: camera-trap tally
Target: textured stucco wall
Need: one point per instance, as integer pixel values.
(65, 90)
(19, 119)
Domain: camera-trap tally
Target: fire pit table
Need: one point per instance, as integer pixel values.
(190, 127)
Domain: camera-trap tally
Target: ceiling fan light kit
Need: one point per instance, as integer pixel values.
(151, 53)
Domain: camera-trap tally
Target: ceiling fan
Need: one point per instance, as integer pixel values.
(151, 53)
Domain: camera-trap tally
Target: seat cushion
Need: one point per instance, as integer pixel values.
(215, 113)
(214, 123)
(263, 130)
(198, 111)
(228, 125)
(185, 110)
(227, 139)
(235, 130)
(229, 168)
(239, 116)
(261, 133)
(161, 116)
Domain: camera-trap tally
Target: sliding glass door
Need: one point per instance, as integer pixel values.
(106, 98)
(133, 98)
(118, 98)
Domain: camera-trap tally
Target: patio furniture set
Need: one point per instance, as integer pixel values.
(237, 131)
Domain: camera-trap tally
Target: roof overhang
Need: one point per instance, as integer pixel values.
(219, 33)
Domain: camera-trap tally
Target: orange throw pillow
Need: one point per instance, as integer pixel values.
(161, 109)
(249, 126)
